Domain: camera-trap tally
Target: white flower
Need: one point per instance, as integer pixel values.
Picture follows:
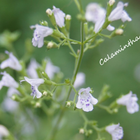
(94, 12)
(34, 86)
(7, 81)
(12, 91)
(11, 62)
(9, 105)
(31, 70)
(119, 13)
(97, 14)
(86, 100)
(116, 131)
(59, 17)
(39, 33)
(51, 69)
(130, 101)
(80, 80)
(3, 131)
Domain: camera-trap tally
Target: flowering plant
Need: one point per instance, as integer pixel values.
(52, 94)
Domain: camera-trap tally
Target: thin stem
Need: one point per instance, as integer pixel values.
(84, 116)
(79, 59)
(90, 38)
(71, 48)
(52, 137)
(75, 41)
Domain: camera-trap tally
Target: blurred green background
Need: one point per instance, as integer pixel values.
(122, 73)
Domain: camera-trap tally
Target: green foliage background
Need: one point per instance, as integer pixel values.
(118, 73)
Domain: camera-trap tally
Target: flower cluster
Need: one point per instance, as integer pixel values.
(45, 80)
(57, 17)
(97, 15)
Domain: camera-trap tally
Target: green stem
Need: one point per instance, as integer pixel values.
(72, 40)
(90, 38)
(71, 48)
(84, 116)
(52, 137)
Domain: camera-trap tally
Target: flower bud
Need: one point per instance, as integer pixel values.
(37, 105)
(111, 2)
(45, 93)
(15, 97)
(86, 28)
(68, 20)
(58, 34)
(81, 131)
(49, 12)
(52, 45)
(109, 7)
(51, 16)
(68, 104)
(90, 131)
(45, 75)
(119, 32)
(44, 23)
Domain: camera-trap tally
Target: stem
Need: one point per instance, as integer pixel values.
(83, 115)
(79, 59)
(52, 137)
(74, 41)
(71, 48)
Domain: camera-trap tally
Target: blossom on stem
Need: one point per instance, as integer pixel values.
(80, 79)
(59, 17)
(51, 69)
(94, 12)
(31, 70)
(11, 62)
(119, 13)
(130, 101)
(97, 14)
(115, 130)
(8, 81)
(86, 100)
(39, 33)
(34, 86)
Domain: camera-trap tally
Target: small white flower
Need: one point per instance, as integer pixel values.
(119, 13)
(7, 81)
(130, 101)
(3, 131)
(51, 69)
(31, 70)
(97, 14)
(94, 12)
(86, 100)
(59, 17)
(39, 33)
(116, 131)
(34, 86)
(9, 105)
(99, 24)
(11, 62)
(80, 80)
